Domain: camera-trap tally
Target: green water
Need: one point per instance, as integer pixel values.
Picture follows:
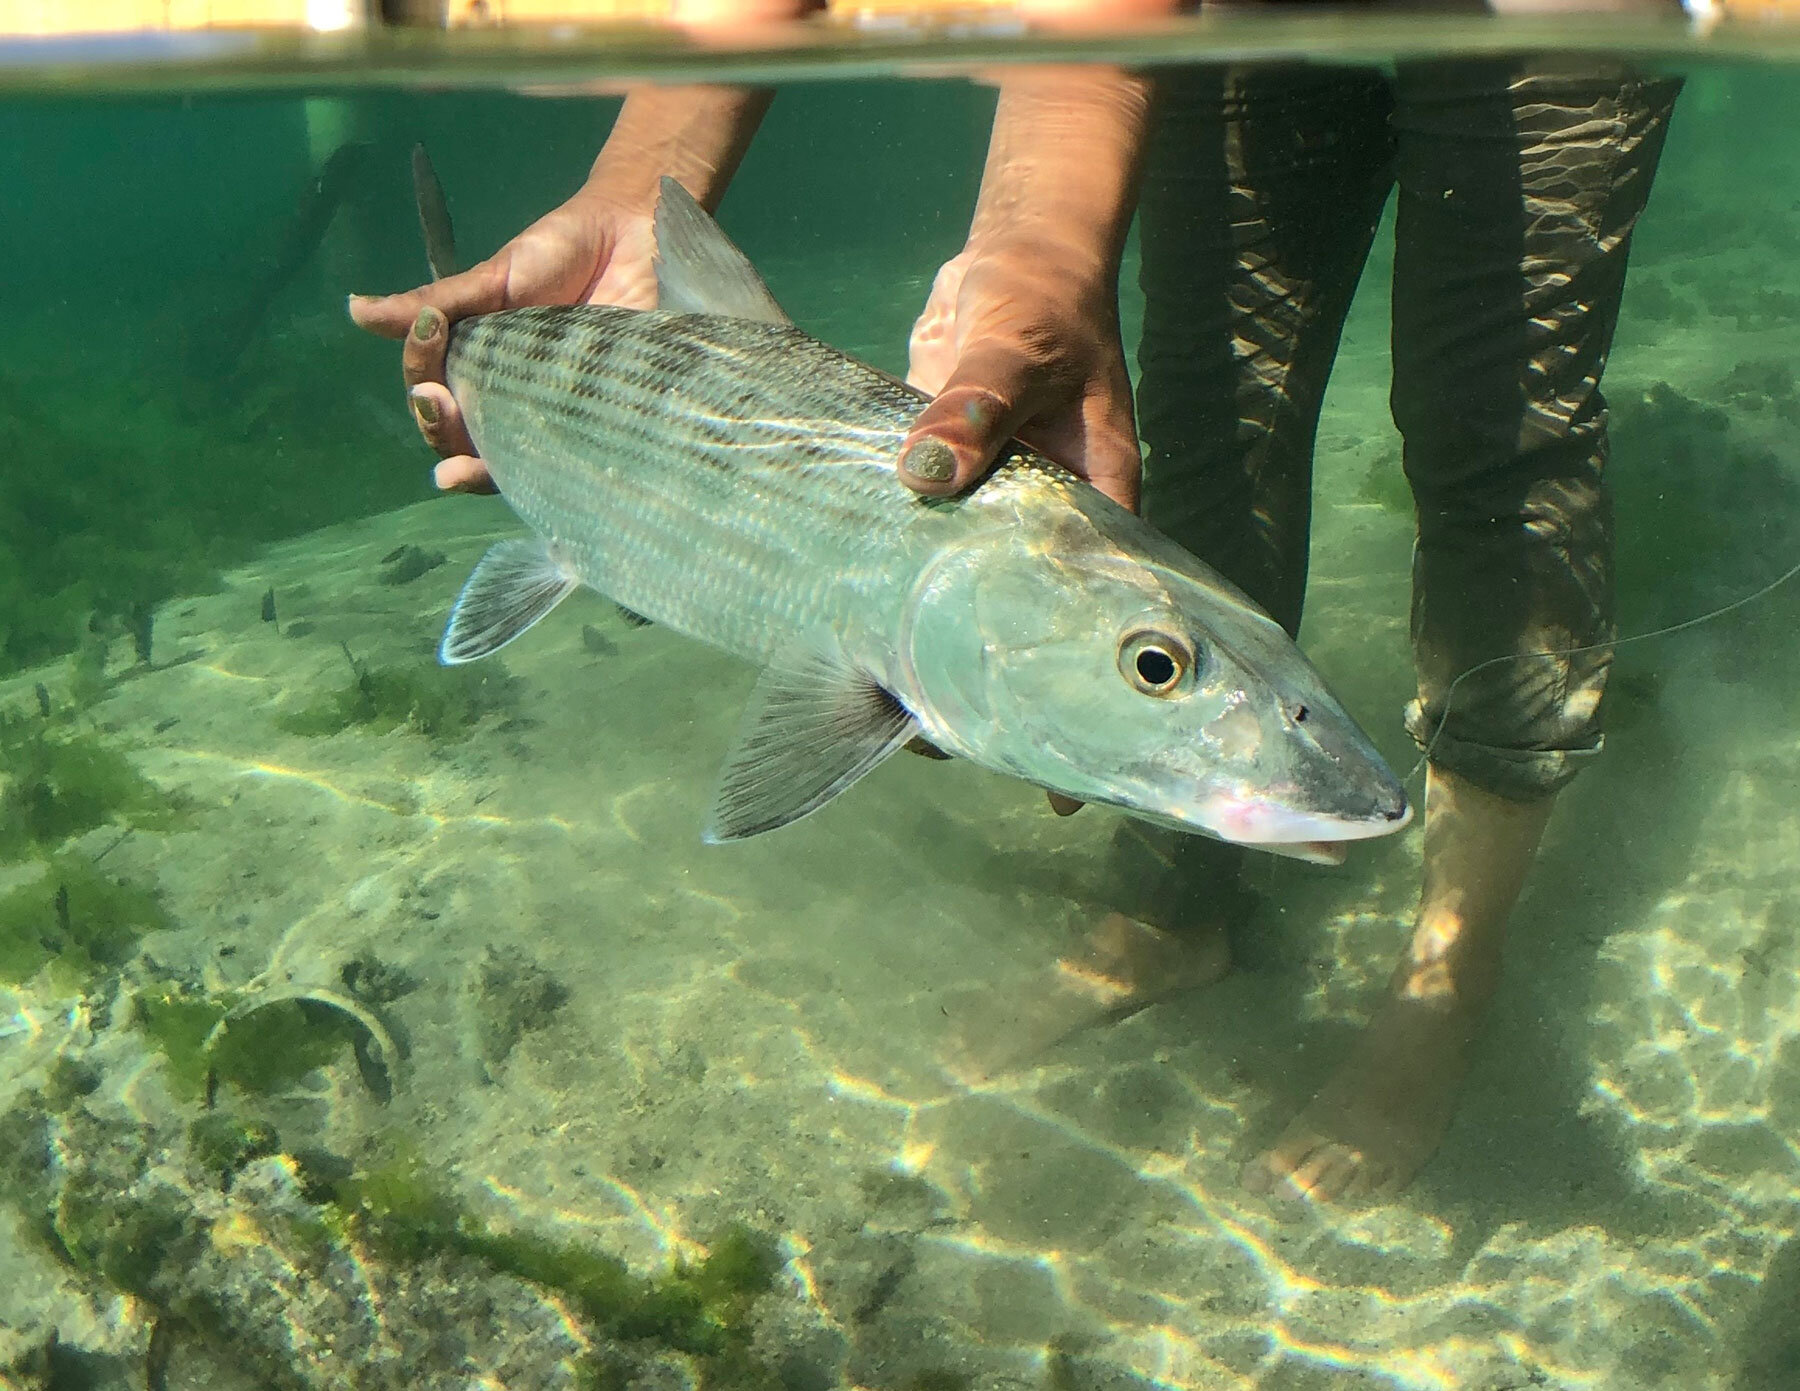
(363, 1025)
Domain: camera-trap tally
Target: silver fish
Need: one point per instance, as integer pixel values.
(713, 468)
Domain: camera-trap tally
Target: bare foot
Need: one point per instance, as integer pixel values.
(1122, 966)
(1378, 1120)
(1380, 1117)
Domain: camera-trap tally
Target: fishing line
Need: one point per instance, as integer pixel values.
(1614, 643)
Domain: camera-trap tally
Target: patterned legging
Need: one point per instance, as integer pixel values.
(1519, 185)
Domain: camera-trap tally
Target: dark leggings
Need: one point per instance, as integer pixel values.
(1519, 184)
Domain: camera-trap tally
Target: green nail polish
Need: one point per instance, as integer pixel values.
(426, 407)
(425, 325)
(930, 460)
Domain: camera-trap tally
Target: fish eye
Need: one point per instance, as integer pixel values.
(1154, 663)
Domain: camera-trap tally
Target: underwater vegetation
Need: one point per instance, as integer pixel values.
(510, 995)
(150, 498)
(439, 702)
(1687, 541)
(260, 1044)
(700, 1307)
(56, 782)
(74, 919)
(238, 1241)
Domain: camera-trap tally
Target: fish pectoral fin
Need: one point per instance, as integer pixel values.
(514, 585)
(698, 270)
(815, 725)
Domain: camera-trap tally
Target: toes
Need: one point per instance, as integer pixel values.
(1328, 1174)
(1306, 1168)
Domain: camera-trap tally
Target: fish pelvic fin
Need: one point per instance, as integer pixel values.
(698, 270)
(513, 586)
(815, 724)
(434, 216)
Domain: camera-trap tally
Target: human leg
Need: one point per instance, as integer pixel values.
(1519, 191)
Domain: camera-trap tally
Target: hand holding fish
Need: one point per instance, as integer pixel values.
(1020, 336)
(1011, 347)
(597, 248)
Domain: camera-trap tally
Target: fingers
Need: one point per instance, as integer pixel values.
(422, 357)
(479, 290)
(463, 474)
(439, 419)
(994, 390)
(422, 318)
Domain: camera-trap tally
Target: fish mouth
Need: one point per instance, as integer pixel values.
(1256, 822)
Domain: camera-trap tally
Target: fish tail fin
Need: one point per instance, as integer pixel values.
(434, 216)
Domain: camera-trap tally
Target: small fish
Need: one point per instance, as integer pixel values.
(408, 563)
(713, 468)
(141, 622)
(43, 699)
(268, 608)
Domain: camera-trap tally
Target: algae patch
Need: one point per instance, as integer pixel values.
(439, 702)
(75, 920)
(261, 1048)
(55, 783)
(701, 1307)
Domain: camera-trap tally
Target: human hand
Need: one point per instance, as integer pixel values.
(1020, 336)
(597, 248)
(1016, 342)
(594, 249)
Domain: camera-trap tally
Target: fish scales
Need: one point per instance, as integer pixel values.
(715, 469)
(643, 448)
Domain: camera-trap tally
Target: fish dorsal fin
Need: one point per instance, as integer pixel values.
(514, 585)
(815, 724)
(698, 270)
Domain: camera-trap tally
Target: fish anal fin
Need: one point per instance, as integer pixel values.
(699, 270)
(815, 724)
(513, 586)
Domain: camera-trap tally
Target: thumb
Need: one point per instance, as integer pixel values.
(994, 390)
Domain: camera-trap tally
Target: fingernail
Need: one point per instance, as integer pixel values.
(426, 407)
(930, 460)
(426, 324)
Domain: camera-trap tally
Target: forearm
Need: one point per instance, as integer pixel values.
(1063, 164)
(697, 135)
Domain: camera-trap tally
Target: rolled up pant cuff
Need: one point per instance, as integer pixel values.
(1518, 774)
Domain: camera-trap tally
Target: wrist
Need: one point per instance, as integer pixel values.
(695, 135)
